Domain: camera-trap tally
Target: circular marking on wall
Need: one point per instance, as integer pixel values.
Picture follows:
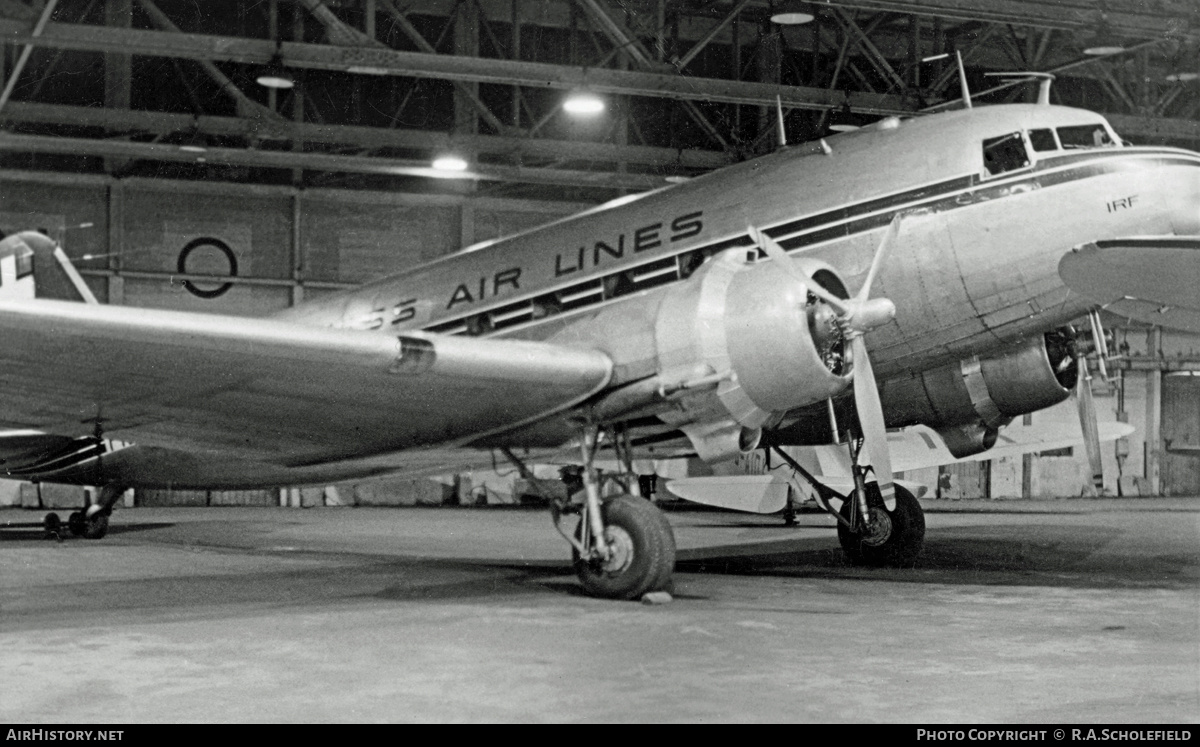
(207, 242)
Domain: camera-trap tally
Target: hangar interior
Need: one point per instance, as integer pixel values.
(240, 156)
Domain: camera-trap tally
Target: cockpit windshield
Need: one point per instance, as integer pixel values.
(1085, 136)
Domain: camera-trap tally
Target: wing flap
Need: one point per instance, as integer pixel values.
(1152, 279)
(272, 389)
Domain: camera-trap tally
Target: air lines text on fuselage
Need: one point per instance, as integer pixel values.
(649, 236)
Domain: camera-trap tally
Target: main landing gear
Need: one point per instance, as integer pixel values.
(870, 534)
(92, 521)
(883, 538)
(622, 546)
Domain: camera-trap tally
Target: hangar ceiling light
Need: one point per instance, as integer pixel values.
(450, 163)
(583, 103)
(792, 13)
(1104, 42)
(275, 75)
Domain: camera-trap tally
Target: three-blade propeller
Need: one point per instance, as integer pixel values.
(856, 317)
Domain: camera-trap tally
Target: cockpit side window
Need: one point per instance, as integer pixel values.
(1005, 153)
(1043, 140)
(1085, 136)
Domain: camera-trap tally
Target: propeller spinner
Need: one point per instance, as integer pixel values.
(856, 316)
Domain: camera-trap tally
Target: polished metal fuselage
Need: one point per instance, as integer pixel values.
(974, 267)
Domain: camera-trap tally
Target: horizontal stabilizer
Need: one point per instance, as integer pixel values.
(1151, 279)
(756, 494)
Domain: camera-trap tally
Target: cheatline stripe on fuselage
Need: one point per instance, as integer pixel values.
(869, 215)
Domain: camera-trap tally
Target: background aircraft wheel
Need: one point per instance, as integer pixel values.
(643, 551)
(897, 539)
(52, 523)
(95, 526)
(78, 523)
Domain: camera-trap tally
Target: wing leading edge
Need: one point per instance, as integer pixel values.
(272, 390)
(1152, 279)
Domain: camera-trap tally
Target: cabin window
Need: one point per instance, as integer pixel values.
(479, 324)
(689, 262)
(1043, 140)
(1005, 153)
(1085, 136)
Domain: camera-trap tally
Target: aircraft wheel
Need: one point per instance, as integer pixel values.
(78, 523)
(894, 539)
(52, 523)
(96, 526)
(643, 551)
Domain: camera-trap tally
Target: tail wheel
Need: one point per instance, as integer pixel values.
(890, 539)
(642, 554)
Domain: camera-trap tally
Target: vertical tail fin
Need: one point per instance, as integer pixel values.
(33, 265)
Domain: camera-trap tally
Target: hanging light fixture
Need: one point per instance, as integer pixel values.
(1104, 41)
(194, 143)
(583, 103)
(275, 75)
(792, 13)
(839, 119)
(450, 162)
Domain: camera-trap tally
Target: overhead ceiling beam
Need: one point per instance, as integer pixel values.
(699, 46)
(1133, 18)
(416, 64)
(246, 107)
(1136, 19)
(319, 162)
(464, 90)
(165, 123)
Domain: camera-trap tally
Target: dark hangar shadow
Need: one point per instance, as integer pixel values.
(1068, 557)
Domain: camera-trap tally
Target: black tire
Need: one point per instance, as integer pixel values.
(896, 548)
(644, 551)
(96, 526)
(78, 523)
(51, 523)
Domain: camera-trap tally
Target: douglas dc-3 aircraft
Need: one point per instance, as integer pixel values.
(708, 318)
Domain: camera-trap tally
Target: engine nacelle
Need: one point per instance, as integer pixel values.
(983, 394)
(967, 440)
(768, 344)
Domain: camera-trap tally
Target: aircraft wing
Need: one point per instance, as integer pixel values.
(919, 447)
(913, 448)
(1152, 279)
(269, 389)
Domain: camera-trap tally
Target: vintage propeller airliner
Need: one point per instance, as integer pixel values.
(905, 273)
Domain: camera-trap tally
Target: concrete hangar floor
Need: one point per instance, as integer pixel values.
(1022, 611)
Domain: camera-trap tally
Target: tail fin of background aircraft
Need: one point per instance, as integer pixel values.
(33, 265)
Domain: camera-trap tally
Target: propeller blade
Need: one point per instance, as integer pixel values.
(885, 248)
(858, 316)
(780, 256)
(870, 419)
(1087, 424)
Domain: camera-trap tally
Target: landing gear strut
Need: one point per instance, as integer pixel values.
(623, 546)
(876, 537)
(92, 521)
(883, 538)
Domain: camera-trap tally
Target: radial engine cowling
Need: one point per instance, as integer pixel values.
(968, 401)
(769, 344)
